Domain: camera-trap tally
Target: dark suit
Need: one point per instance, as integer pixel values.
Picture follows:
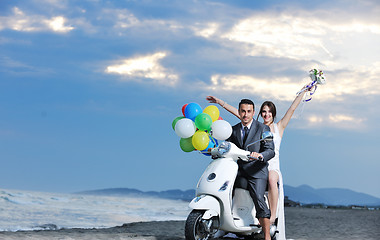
(253, 175)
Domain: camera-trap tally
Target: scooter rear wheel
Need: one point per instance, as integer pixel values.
(194, 228)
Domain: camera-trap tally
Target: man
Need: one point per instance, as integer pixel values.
(253, 175)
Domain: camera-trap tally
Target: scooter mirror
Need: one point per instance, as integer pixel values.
(267, 136)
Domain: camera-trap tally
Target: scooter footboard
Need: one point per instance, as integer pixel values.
(243, 208)
(208, 203)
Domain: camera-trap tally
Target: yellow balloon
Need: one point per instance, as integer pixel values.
(213, 111)
(200, 140)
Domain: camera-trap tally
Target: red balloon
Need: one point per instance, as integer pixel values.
(220, 118)
(183, 109)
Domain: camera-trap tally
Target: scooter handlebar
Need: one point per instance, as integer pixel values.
(260, 158)
(231, 150)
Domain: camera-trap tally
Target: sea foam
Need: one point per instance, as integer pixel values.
(25, 210)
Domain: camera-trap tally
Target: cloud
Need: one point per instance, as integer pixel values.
(144, 67)
(329, 106)
(298, 36)
(279, 36)
(337, 120)
(57, 24)
(22, 22)
(340, 85)
(7, 62)
(205, 30)
(344, 50)
(122, 18)
(315, 120)
(19, 68)
(281, 88)
(297, 40)
(123, 22)
(355, 81)
(355, 26)
(314, 35)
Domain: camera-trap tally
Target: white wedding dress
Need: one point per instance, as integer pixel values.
(274, 165)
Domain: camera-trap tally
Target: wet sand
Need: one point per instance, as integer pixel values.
(301, 224)
(157, 230)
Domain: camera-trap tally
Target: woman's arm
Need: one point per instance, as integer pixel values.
(224, 105)
(288, 115)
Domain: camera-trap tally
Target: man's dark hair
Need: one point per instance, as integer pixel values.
(247, 101)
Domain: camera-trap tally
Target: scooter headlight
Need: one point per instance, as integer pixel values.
(223, 148)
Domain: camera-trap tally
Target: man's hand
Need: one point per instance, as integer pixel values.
(257, 156)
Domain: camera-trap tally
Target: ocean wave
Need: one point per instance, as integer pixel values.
(24, 210)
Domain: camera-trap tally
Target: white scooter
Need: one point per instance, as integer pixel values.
(215, 211)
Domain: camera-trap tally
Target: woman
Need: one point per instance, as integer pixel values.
(275, 186)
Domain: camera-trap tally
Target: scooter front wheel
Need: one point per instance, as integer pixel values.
(198, 229)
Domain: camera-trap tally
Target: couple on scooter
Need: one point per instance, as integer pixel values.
(258, 174)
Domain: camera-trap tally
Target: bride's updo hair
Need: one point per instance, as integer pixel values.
(271, 107)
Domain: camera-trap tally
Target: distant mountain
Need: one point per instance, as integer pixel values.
(169, 194)
(329, 196)
(303, 194)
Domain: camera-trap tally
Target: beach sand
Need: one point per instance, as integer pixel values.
(157, 230)
(302, 223)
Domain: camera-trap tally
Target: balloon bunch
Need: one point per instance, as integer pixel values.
(200, 130)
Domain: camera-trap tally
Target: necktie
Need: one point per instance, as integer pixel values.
(245, 135)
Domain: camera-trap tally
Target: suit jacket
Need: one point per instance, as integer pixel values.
(256, 169)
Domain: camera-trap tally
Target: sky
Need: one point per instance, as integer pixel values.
(89, 89)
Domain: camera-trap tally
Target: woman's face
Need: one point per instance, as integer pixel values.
(266, 114)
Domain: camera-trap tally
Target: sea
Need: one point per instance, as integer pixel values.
(28, 210)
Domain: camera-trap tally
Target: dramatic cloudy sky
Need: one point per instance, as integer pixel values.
(89, 89)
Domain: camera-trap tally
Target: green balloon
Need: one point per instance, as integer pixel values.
(186, 144)
(175, 121)
(203, 122)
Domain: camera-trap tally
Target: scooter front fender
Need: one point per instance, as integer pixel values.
(208, 203)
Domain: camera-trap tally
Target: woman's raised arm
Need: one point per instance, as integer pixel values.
(288, 115)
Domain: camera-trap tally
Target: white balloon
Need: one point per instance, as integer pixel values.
(221, 129)
(185, 128)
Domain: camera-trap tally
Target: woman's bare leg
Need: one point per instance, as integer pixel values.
(273, 194)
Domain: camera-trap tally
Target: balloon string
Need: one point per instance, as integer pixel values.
(212, 139)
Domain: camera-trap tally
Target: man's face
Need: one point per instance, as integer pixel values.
(246, 113)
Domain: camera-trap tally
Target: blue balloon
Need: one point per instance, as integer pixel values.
(192, 110)
(213, 143)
